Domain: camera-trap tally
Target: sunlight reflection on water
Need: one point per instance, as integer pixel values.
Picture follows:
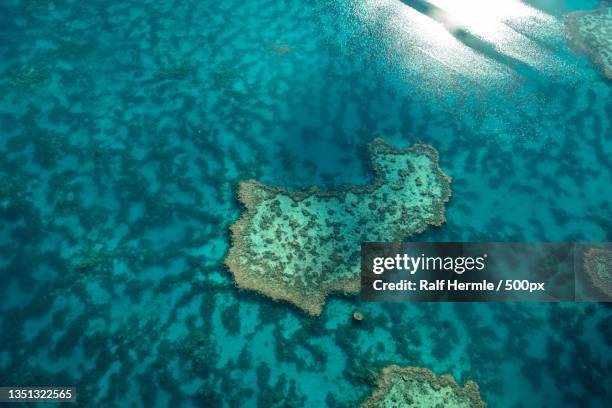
(478, 40)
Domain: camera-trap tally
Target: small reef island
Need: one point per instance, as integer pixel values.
(419, 387)
(589, 32)
(301, 246)
(598, 265)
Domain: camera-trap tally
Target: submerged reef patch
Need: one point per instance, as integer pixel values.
(419, 387)
(589, 32)
(301, 246)
(598, 265)
(29, 75)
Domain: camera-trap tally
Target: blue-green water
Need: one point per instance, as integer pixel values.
(125, 127)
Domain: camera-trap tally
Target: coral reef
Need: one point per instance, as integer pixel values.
(598, 265)
(588, 32)
(419, 387)
(107, 166)
(302, 246)
(199, 347)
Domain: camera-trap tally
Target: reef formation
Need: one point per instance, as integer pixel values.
(598, 265)
(301, 246)
(419, 387)
(590, 32)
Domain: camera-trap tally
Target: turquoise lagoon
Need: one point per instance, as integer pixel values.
(126, 126)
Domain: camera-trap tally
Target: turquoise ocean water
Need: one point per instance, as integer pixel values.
(126, 126)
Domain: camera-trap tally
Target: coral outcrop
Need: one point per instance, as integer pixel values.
(590, 32)
(419, 387)
(301, 246)
(598, 265)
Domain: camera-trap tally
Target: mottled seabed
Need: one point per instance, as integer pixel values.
(126, 127)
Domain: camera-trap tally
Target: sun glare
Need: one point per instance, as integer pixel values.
(476, 38)
(484, 18)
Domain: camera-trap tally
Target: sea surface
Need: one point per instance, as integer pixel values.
(126, 126)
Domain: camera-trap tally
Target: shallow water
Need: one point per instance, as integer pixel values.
(127, 126)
